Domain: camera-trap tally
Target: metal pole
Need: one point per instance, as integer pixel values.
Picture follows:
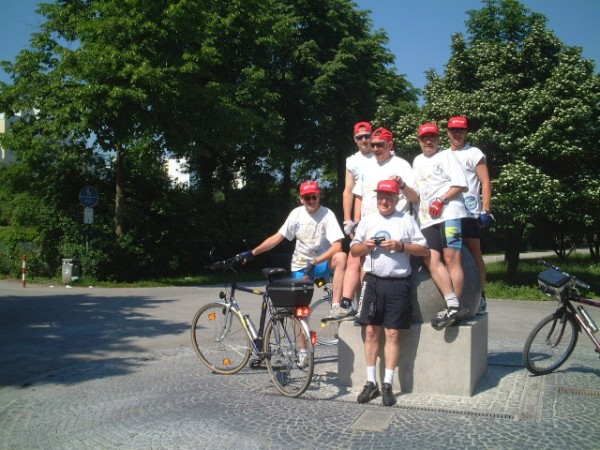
(24, 270)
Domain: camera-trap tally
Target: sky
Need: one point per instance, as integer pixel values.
(419, 31)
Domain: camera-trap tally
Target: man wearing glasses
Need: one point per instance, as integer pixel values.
(384, 166)
(386, 239)
(477, 198)
(318, 251)
(441, 182)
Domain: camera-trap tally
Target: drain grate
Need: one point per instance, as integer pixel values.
(578, 391)
(495, 415)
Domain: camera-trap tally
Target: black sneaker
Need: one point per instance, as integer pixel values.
(448, 317)
(388, 395)
(369, 392)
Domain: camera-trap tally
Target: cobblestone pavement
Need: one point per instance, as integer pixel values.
(114, 369)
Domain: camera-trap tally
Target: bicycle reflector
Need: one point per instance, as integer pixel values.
(226, 362)
(212, 316)
(313, 337)
(302, 311)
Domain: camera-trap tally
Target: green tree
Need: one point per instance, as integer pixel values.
(532, 102)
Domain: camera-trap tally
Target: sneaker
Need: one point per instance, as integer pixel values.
(482, 307)
(303, 360)
(448, 317)
(369, 392)
(337, 312)
(388, 395)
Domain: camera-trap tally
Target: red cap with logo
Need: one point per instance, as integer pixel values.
(457, 122)
(382, 134)
(366, 125)
(428, 128)
(388, 186)
(309, 187)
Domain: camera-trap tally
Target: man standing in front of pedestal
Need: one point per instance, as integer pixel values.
(386, 238)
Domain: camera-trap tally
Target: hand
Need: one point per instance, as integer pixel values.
(435, 207)
(310, 266)
(485, 219)
(247, 256)
(349, 227)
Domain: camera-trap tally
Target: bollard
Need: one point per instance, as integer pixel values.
(24, 270)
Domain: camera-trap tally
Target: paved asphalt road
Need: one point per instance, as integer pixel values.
(114, 368)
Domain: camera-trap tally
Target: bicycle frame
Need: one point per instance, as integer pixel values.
(580, 316)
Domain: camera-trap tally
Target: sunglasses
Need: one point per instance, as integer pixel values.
(309, 197)
(428, 138)
(457, 130)
(360, 137)
(377, 144)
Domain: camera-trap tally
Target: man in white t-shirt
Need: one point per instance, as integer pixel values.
(318, 251)
(477, 199)
(441, 182)
(386, 239)
(384, 166)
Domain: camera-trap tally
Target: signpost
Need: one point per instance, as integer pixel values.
(88, 197)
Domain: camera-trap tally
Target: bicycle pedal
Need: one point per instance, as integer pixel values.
(257, 364)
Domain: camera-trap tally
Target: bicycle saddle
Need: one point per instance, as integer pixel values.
(273, 273)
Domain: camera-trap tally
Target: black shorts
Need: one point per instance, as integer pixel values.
(442, 235)
(385, 301)
(470, 228)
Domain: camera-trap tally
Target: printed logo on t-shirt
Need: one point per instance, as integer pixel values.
(470, 202)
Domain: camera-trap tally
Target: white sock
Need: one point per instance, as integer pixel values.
(451, 300)
(389, 376)
(371, 374)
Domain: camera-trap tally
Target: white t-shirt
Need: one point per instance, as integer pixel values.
(469, 157)
(356, 162)
(314, 233)
(400, 226)
(434, 176)
(373, 173)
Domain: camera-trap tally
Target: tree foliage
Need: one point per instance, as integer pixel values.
(533, 107)
(247, 91)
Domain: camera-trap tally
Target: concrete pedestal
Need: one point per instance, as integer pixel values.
(450, 361)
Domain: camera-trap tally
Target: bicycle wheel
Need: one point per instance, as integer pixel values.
(290, 357)
(327, 334)
(220, 340)
(550, 344)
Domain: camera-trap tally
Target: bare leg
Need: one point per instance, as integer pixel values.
(474, 246)
(338, 264)
(352, 276)
(439, 272)
(392, 348)
(453, 259)
(372, 333)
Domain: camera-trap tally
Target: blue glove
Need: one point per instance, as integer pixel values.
(248, 256)
(485, 219)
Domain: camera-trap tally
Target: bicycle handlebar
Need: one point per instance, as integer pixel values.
(573, 278)
(225, 263)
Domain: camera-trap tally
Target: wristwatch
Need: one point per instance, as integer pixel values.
(444, 200)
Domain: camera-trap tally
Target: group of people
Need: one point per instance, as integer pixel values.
(392, 210)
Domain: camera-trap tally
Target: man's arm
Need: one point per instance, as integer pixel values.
(348, 196)
(486, 185)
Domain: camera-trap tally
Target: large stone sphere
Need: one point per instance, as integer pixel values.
(427, 300)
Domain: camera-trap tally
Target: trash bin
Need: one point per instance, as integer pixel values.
(71, 270)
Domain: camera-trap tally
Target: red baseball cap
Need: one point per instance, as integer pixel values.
(366, 125)
(389, 186)
(457, 122)
(382, 134)
(428, 128)
(309, 187)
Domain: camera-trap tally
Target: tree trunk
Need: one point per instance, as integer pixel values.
(512, 251)
(120, 193)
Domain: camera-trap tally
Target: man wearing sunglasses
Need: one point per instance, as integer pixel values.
(441, 183)
(318, 251)
(384, 166)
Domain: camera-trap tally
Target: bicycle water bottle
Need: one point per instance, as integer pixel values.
(590, 322)
(251, 327)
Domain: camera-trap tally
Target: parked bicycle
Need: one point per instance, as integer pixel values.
(224, 338)
(553, 339)
(328, 331)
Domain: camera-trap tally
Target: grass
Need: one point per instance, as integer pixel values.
(525, 287)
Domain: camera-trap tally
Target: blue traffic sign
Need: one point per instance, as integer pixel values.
(88, 196)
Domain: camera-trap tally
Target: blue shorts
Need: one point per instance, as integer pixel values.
(320, 270)
(442, 235)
